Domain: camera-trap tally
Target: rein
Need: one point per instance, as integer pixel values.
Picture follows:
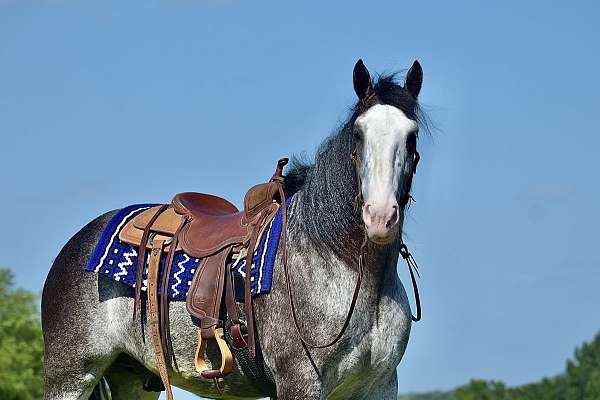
(413, 268)
(406, 255)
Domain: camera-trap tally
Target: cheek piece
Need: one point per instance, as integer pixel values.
(406, 197)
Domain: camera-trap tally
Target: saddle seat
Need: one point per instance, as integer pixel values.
(202, 205)
(214, 223)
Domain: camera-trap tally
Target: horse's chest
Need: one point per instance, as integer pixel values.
(389, 335)
(375, 356)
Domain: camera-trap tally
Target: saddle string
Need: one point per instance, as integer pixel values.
(413, 268)
(164, 306)
(248, 293)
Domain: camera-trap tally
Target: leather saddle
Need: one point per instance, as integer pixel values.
(211, 228)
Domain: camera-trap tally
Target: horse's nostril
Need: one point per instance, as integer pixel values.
(380, 220)
(393, 218)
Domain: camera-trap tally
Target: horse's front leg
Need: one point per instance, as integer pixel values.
(298, 385)
(387, 390)
(295, 375)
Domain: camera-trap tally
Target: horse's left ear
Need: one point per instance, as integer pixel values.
(362, 80)
(414, 79)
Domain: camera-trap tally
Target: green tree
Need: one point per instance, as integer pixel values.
(583, 373)
(21, 343)
(481, 390)
(437, 395)
(592, 387)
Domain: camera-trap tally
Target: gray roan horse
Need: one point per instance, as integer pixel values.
(357, 188)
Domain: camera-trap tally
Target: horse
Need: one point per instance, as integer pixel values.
(345, 222)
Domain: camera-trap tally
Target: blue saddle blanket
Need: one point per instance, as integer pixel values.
(119, 261)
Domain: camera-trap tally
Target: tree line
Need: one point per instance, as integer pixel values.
(579, 381)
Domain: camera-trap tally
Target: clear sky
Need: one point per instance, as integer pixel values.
(105, 104)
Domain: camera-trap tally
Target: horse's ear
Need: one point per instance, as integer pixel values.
(362, 80)
(414, 79)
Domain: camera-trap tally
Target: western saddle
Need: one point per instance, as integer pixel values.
(211, 228)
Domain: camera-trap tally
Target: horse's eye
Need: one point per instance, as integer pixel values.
(411, 143)
(358, 136)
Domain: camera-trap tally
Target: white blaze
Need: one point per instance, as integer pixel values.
(384, 130)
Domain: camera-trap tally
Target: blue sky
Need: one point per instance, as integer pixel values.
(505, 227)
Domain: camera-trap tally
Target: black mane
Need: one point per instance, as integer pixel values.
(329, 186)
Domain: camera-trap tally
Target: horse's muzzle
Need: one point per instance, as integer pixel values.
(381, 221)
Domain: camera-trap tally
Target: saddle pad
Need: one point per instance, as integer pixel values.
(119, 261)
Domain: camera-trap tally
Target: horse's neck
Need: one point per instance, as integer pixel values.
(327, 272)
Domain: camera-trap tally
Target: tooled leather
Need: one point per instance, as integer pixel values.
(166, 223)
(269, 214)
(133, 236)
(205, 235)
(206, 292)
(258, 197)
(193, 235)
(165, 226)
(201, 238)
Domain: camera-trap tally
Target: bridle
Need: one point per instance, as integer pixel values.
(406, 255)
(413, 268)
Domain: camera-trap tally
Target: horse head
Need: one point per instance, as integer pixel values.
(385, 134)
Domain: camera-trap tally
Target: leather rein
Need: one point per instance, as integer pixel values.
(406, 255)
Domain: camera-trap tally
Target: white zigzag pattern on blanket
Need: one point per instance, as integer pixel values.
(176, 275)
(128, 262)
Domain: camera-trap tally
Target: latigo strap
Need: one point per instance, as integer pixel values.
(155, 256)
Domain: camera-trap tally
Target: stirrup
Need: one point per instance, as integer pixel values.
(226, 357)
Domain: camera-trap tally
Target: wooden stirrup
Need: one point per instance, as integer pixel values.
(226, 357)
